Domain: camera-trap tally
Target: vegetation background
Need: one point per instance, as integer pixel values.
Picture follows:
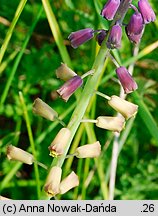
(28, 61)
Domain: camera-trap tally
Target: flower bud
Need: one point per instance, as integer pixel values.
(68, 183)
(89, 150)
(79, 37)
(110, 8)
(135, 25)
(44, 110)
(115, 124)
(64, 72)
(114, 39)
(126, 80)
(70, 87)
(146, 11)
(100, 37)
(51, 186)
(59, 143)
(17, 154)
(127, 109)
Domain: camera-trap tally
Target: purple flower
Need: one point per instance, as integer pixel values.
(100, 37)
(114, 40)
(69, 87)
(126, 80)
(110, 8)
(135, 25)
(79, 37)
(146, 11)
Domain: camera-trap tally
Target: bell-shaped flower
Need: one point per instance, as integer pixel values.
(126, 108)
(126, 80)
(68, 183)
(110, 8)
(79, 37)
(64, 72)
(135, 25)
(114, 39)
(17, 154)
(52, 183)
(59, 143)
(146, 11)
(69, 87)
(44, 110)
(88, 151)
(101, 36)
(115, 124)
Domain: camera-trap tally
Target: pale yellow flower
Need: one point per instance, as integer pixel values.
(51, 186)
(42, 109)
(14, 153)
(88, 150)
(59, 143)
(115, 124)
(68, 183)
(127, 109)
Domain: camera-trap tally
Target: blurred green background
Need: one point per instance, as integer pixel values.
(137, 170)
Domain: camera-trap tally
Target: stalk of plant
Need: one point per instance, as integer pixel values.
(89, 88)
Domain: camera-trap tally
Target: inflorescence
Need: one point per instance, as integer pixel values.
(112, 37)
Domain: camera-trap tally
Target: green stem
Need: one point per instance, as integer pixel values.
(9, 176)
(11, 28)
(18, 59)
(103, 95)
(7, 61)
(56, 32)
(84, 100)
(89, 120)
(30, 135)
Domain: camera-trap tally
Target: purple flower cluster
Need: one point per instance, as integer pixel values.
(134, 29)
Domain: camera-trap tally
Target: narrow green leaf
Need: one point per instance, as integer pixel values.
(146, 116)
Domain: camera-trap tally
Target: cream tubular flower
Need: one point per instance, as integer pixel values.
(127, 109)
(59, 143)
(88, 150)
(42, 109)
(68, 183)
(51, 186)
(64, 72)
(115, 124)
(17, 154)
